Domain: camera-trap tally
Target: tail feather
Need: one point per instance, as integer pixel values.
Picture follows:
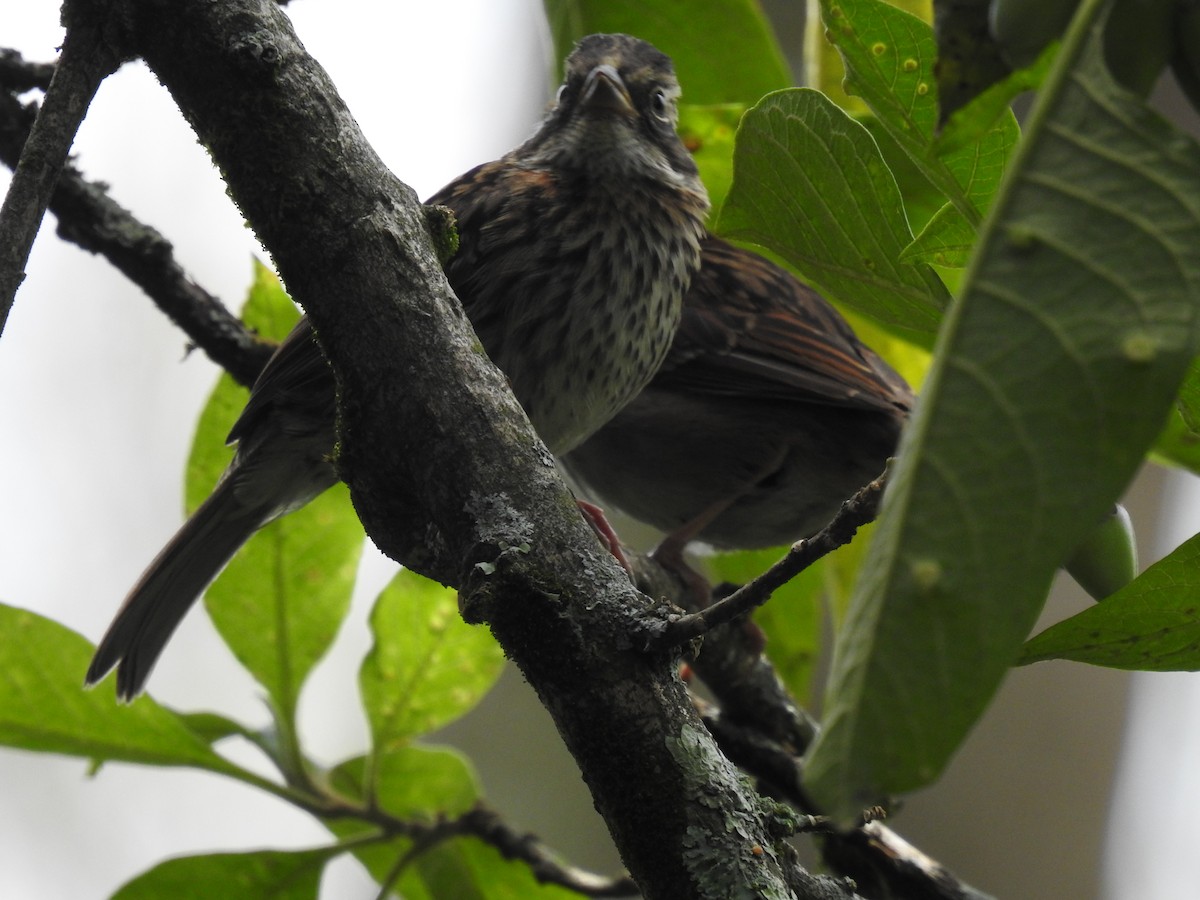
(170, 585)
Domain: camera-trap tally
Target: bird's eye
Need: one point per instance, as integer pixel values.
(558, 98)
(660, 107)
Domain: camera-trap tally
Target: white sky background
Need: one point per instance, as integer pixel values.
(98, 404)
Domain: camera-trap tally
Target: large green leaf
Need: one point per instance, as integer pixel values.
(257, 875)
(1053, 375)
(427, 666)
(810, 184)
(724, 51)
(1153, 623)
(279, 603)
(44, 707)
(922, 200)
(889, 56)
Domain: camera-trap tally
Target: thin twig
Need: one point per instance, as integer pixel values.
(479, 822)
(855, 512)
(488, 826)
(85, 62)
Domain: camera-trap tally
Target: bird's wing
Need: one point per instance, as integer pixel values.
(751, 328)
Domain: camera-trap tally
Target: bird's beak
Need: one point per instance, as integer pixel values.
(604, 90)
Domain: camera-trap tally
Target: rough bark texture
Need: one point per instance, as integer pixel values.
(443, 466)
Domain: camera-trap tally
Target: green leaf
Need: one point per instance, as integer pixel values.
(1189, 398)
(427, 785)
(1052, 376)
(44, 707)
(1178, 444)
(947, 240)
(419, 783)
(427, 666)
(889, 57)
(213, 727)
(280, 601)
(708, 132)
(451, 870)
(268, 309)
(921, 199)
(723, 50)
(809, 184)
(972, 122)
(210, 454)
(1152, 624)
(275, 874)
(842, 569)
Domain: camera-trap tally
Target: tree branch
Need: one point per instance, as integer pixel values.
(87, 58)
(481, 822)
(488, 826)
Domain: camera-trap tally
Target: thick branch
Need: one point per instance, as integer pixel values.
(480, 822)
(446, 479)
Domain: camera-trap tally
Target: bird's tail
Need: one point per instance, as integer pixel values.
(171, 584)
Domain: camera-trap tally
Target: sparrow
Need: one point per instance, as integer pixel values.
(767, 413)
(575, 251)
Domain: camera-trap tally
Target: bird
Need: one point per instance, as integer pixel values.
(575, 250)
(767, 413)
